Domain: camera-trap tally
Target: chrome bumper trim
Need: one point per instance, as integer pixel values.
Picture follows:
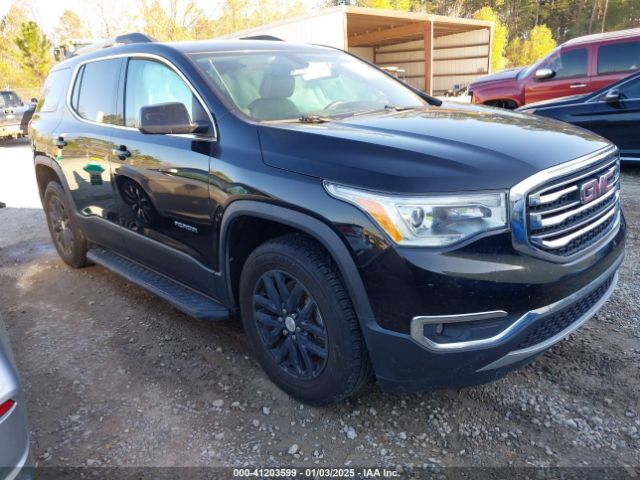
(418, 323)
(517, 355)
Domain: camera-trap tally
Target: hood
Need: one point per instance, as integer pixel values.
(434, 149)
(508, 74)
(556, 102)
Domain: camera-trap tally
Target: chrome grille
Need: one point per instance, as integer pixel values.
(568, 215)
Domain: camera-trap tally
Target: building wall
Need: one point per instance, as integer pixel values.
(451, 59)
(408, 56)
(363, 52)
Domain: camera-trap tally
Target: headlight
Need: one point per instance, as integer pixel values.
(429, 221)
(530, 111)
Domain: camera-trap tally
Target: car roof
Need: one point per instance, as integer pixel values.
(601, 37)
(190, 47)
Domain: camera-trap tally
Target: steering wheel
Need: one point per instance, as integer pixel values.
(334, 105)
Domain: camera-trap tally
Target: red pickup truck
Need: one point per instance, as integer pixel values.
(581, 65)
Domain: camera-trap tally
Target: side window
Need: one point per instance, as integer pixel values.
(569, 64)
(98, 91)
(631, 89)
(53, 91)
(149, 83)
(76, 89)
(619, 57)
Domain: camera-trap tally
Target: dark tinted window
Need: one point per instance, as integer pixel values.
(149, 83)
(570, 64)
(53, 91)
(619, 57)
(97, 99)
(631, 89)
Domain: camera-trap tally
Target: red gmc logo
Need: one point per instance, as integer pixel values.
(597, 187)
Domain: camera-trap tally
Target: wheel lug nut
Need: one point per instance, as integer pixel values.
(285, 332)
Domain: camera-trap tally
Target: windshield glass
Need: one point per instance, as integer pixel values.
(525, 72)
(9, 99)
(268, 85)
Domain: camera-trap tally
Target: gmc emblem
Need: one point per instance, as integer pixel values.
(597, 187)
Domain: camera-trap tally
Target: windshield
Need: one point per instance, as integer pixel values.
(9, 99)
(268, 85)
(525, 72)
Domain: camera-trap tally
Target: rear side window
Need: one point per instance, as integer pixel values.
(52, 93)
(97, 93)
(619, 57)
(572, 63)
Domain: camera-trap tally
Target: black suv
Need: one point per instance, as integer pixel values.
(359, 227)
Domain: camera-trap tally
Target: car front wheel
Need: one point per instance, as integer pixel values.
(300, 322)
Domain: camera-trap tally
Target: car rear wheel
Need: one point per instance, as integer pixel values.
(67, 237)
(300, 322)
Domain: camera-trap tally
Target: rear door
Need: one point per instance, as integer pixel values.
(162, 181)
(84, 141)
(616, 61)
(571, 67)
(619, 121)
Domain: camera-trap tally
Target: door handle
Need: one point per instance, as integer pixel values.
(60, 142)
(169, 171)
(121, 152)
(578, 85)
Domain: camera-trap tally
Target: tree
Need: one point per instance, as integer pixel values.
(539, 42)
(70, 26)
(35, 50)
(498, 39)
(11, 74)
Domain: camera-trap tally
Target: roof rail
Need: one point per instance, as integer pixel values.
(263, 37)
(126, 39)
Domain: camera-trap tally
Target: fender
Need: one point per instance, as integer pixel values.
(316, 229)
(40, 159)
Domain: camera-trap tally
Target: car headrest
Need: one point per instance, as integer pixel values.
(277, 82)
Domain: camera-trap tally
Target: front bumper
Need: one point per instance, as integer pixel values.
(424, 358)
(10, 130)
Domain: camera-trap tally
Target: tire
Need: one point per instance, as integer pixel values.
(67, 237)
(296, 264)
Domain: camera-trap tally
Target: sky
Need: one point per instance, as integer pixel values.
(47, 12)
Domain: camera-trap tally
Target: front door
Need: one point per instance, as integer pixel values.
(571, 76)
(162, 180)
(618, 120)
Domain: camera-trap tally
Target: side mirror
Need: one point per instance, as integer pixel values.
(544, 74)
(612, 96)
(166, 118)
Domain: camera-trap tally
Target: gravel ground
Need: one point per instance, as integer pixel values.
(116, 377)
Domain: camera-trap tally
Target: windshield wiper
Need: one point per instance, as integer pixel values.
(397, 108)
(314, 119)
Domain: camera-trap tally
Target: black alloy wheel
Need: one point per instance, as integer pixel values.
(299, 321)
(60, 225)
(66, 234)
(290, 324)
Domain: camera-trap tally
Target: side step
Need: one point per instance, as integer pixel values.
(183, 298)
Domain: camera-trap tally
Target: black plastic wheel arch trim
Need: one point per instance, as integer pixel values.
(315, 228)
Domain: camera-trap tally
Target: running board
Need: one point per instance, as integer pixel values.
(180, 296)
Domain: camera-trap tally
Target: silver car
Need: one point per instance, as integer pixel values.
(15, 456)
